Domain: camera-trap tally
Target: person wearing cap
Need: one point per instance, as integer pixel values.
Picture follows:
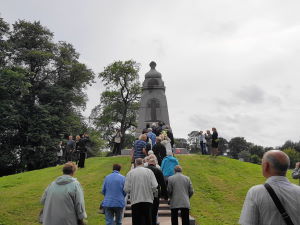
(180, 191)
(161, 188)
(168, 164)
(63, 200)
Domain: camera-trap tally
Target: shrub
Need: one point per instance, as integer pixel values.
(294, 156)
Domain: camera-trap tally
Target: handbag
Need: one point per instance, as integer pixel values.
(278, 204)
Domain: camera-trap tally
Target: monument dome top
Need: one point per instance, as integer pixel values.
(153, 73)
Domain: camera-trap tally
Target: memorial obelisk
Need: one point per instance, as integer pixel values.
(153, 107)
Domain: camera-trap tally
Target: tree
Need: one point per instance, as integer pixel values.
(293, 155)
(223, 145)
(119, 103)
(256, 150)
(236, 145)
(245, 155)
(42, 85)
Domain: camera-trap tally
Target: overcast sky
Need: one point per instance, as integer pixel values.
(230, 64)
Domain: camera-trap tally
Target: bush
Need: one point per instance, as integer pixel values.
(255, 159)
(245, 155)
(294, 156)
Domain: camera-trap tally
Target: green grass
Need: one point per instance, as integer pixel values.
(220, 187)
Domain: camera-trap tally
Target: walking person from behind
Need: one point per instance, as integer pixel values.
(63, 200)
(214, 142)
(141, 184)
(168, 165)
(159, 151)
(259, 207)
(114, 196)
(180, 191)
(161, 188)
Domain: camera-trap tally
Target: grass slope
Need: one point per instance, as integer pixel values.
(220, 187)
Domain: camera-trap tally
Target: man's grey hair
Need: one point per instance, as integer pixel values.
(149, 129)
(139, 161)
(178, 169)
(280, 167)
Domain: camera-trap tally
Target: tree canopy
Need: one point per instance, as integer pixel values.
(41, 94)
(119, 103)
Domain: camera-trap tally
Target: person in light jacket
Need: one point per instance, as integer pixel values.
(63, 200)
(180, 191)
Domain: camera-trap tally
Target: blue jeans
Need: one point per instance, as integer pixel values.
(110, 213)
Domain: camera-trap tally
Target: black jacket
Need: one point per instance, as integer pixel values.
(162, 187)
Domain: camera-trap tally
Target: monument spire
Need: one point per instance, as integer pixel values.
(153, 107)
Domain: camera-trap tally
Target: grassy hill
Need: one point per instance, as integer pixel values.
(220, 187)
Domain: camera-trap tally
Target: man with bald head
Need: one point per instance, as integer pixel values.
(259, 208)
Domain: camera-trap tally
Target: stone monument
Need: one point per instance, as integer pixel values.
(153, 107)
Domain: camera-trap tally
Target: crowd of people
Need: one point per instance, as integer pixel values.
(73, 150)
(156, 175)
(209, 142)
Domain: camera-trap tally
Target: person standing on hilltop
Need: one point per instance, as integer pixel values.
(259, 205)
(63, 200)
(208, 141)
(117, 143)
(202, 142)
(214, 142)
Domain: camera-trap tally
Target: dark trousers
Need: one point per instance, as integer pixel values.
(81, 159)
(155, 210)
(117, 149)
(185, 216)
(142, 213)
(203, 147)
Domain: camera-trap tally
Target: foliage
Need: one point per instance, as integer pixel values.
(256, 150)
(245, 155)
(119, 102)
(41, 95)
(236, 145)
(223, 145)
(220, 186)
(129, 140)
(291, 145)
(255, 159)
(293, 155)
(181, 143)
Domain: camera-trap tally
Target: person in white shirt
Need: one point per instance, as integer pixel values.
(141, 184)
(259, 208)
(202, 141)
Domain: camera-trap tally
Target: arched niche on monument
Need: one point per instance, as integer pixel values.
(153, 82)
(153, 110)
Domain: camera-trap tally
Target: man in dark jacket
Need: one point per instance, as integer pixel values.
(159, 151)
(161, 189)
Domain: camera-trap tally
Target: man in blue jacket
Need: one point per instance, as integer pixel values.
(114, 196)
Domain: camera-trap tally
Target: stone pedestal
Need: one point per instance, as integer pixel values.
(153, 108)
